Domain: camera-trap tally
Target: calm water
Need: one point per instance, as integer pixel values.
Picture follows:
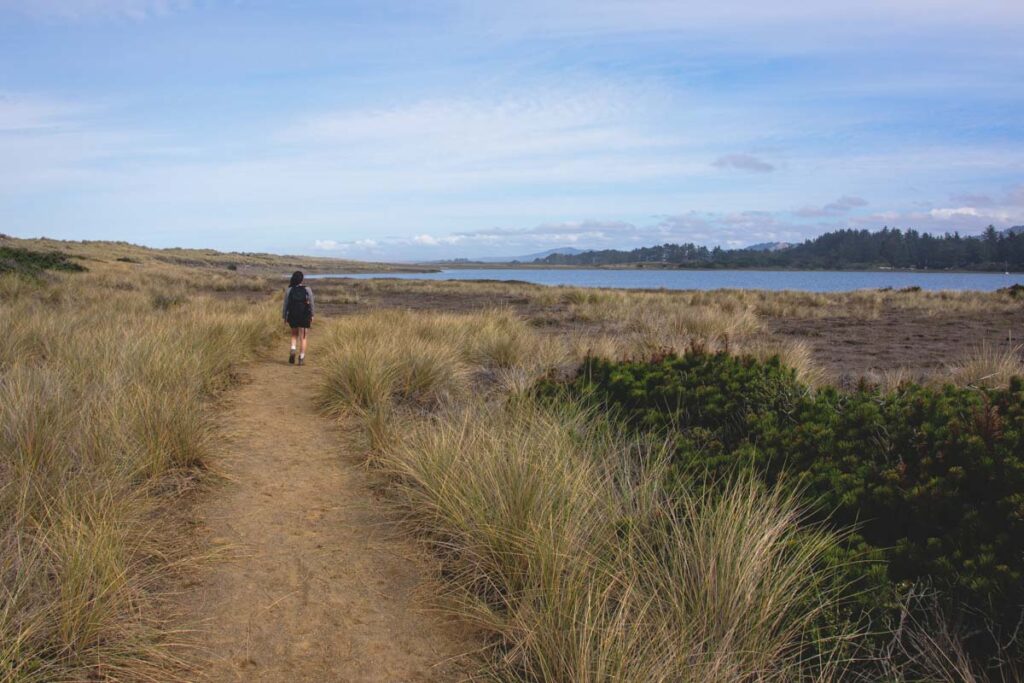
(811, 281)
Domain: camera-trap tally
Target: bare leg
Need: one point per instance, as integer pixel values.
(305, 335)
(295, 337)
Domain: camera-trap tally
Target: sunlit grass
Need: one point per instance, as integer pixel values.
(104, 385)
(987, 365)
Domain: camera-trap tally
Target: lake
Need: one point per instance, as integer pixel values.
(810, 281)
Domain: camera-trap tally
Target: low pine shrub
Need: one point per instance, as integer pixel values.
(930, 480)
(28, 261)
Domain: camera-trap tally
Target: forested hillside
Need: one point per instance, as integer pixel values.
(842, 249)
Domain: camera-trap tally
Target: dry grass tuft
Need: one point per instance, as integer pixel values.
(893, 379)
(793, 354)
(989, 366)
(389, 360)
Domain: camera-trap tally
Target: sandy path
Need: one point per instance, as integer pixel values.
(315, 586)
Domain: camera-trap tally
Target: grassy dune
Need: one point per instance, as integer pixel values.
(105, 378)
(252, 262)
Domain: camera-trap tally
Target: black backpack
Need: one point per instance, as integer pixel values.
(298, 302)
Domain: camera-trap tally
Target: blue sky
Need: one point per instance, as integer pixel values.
(415, 130)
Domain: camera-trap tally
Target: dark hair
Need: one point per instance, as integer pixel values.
(296, 279)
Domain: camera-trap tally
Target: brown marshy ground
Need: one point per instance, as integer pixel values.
(879, 335)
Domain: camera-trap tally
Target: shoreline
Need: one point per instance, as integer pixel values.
(671, 267)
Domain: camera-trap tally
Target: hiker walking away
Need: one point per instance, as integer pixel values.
(298, 313)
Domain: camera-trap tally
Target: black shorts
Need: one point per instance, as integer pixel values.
(300, 321)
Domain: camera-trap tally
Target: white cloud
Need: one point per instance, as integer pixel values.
(963, 219)
(327, 245)
(963, 211)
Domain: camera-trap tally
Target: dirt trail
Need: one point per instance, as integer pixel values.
(315, 586)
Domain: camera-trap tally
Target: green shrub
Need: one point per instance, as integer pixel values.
(28, 261)
(931, 480)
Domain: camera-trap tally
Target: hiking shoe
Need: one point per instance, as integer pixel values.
(301, 360)
(291, 358)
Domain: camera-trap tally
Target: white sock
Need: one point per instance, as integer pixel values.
(293, 348)
(302, 356)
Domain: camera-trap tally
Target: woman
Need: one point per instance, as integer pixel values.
(298, 313)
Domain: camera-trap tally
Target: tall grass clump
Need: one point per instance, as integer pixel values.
(102, 402)
(796, 355)
(566, 544)
(651, 323)
(989, 366)
(393, 360)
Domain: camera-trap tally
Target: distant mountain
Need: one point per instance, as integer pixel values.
(768, 246)
(564, 251)
(1015, 230)
(526, 258)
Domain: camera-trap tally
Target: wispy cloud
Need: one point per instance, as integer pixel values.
(845, 203)
(973, 199)
(47, 143)
(545, 134)
(574, 228)
(743, 162)
(23, 113)
(839, 206)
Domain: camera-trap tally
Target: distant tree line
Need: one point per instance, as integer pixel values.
(842, 249)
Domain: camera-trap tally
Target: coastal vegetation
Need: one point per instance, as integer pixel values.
(602, 517)
(30, 262)
(616, 485)
(839, 250)
(559, 536)
(928, 480)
